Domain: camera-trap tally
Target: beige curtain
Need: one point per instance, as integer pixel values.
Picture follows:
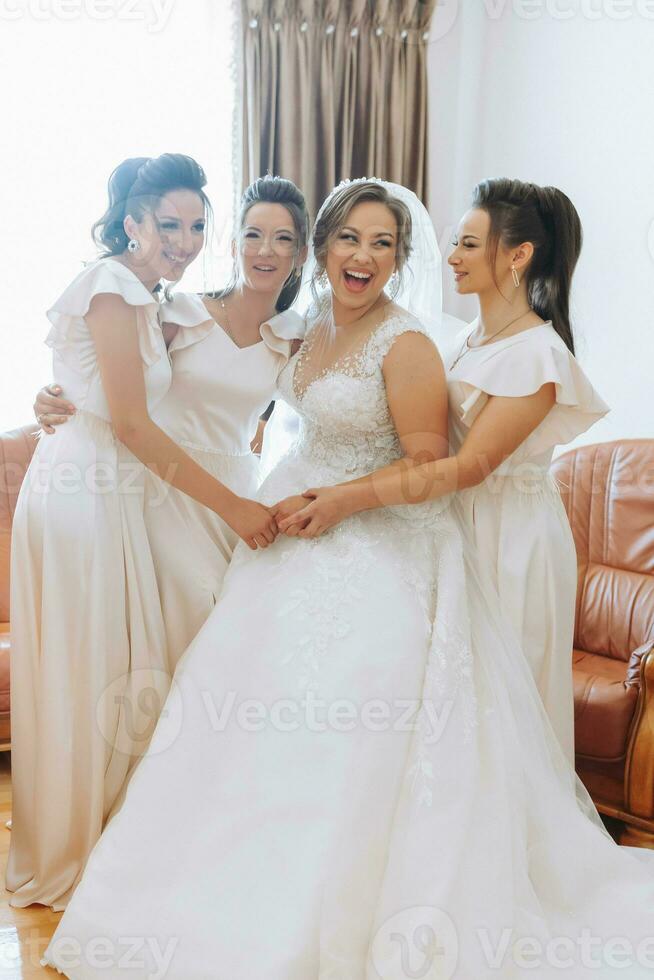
(335, 89)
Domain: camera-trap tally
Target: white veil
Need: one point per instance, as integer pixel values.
(420, 293)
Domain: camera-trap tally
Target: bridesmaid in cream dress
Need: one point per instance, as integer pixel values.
(90, 663)
(515, 392)
(226, 352)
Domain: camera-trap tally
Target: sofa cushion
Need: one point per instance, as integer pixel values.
(605, 702)
(16, 448)
(4, 671)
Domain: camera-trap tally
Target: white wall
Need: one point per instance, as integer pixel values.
(561, 92)
(80, 93)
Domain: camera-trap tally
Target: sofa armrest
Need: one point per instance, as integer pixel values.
(635, 666)
(639, 769)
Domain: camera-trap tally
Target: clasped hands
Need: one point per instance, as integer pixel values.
(310, 514)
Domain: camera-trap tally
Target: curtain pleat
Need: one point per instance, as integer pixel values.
(335, 89)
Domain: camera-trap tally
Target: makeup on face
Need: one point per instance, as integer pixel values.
(362, 255)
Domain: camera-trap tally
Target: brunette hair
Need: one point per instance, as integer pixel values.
(136, 186)
(276, 190)
(523, 212)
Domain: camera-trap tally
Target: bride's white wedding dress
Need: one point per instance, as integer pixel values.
(297, 818)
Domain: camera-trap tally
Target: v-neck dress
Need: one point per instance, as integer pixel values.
(515, 518)
(212, 410)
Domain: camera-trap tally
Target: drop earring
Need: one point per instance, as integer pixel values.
(516, 277)
(133, 245)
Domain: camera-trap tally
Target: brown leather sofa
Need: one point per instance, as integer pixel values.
(16, 448)
(608, 492)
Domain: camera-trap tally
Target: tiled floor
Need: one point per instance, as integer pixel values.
(24, 933)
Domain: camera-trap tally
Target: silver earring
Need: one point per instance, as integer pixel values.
(516, 277)
(133, 245)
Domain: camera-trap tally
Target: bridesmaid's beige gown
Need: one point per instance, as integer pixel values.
(212, 410)
(89, 660)
(515, 518)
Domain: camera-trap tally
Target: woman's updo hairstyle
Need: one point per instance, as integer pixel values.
(136, 187)
(334, 214)
(275, 190)
(523, 212)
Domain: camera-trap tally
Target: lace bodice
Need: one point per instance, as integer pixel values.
(346, 428)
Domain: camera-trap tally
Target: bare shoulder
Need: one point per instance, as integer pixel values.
(414, 360)
(411, 346)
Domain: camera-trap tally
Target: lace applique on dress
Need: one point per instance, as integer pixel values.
(338, 576)
(346, 431)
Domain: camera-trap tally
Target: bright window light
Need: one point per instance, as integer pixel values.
(85, 84)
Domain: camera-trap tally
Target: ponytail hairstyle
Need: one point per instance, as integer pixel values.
(275, 190)
(522, 212)
(136, 187)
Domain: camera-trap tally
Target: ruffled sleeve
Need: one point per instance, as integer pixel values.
(521, 369)
(69, 334)
(281, 330)
(188, 311)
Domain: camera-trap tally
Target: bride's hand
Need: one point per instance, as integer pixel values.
(287, 506)
(327, 507)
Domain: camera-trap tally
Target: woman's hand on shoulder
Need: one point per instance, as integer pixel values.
(51, 409)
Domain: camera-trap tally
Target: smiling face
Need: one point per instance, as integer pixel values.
(171, 236)
(469, 259)
(361, 256)
(267, 249)
(472, 261)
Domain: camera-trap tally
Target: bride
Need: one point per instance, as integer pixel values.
(353, 777)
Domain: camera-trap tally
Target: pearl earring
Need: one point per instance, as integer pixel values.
(133, 245)
(516, 277)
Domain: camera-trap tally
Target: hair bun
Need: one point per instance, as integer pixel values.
(137, 183)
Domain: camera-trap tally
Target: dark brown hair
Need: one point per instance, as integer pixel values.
(523, 212)
(276, 190)
(136, 186)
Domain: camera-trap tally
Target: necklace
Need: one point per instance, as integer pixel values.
(466, 346)
(228, 325)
